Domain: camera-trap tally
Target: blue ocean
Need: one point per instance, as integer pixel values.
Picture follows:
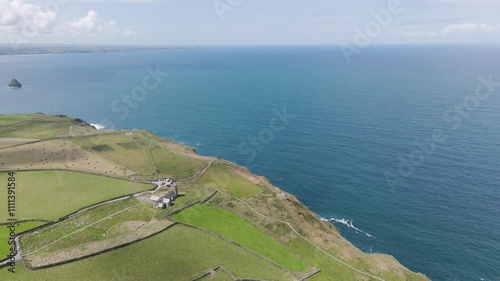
(399, 149)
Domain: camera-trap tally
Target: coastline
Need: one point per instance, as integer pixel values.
(302, 222)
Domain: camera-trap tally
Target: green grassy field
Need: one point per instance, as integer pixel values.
(224, 177)
(13, 118)
(40, 126)
(58, 154)
(149, 159)
(97, 231)
(120, 148)
(179, 253)
(171, 165)
(36, 126)
(4, 235)
(35, 130)
(50, 195)
(239, 230)
(105, 225)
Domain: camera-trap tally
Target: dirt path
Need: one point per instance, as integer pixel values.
(305, 238)
(197, 175)
(194, 177)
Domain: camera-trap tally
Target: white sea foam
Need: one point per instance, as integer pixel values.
(348, 223)
(98, 126)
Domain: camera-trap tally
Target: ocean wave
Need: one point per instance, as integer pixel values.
(98, 126)
(348, 223)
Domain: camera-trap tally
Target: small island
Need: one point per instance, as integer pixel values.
(15, 84)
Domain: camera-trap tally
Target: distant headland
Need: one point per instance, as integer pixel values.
(29, 49)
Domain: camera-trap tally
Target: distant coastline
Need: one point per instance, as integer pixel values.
(9, 50)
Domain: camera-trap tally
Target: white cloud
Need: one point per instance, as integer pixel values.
(85, 24)
(458, 28)
(489, 28)
(468, 28)
(92, 24)
(17, 16)
(454, 2)
(127, 31)
(123, 1)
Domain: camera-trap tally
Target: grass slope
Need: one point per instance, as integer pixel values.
(56, 154)
(50, 195)
(6, 142)
(120, 148)
(4, 119)
(239, 230)
(138, 151)
(224, 177)
(172, 165)
(39, 126)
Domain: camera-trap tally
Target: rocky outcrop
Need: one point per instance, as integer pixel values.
(81, 122)
(15, 84)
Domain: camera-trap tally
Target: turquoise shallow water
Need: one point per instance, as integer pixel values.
(351, 124)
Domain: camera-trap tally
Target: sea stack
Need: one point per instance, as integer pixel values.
(15, 84)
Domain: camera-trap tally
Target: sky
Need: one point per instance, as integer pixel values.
(249, 22)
